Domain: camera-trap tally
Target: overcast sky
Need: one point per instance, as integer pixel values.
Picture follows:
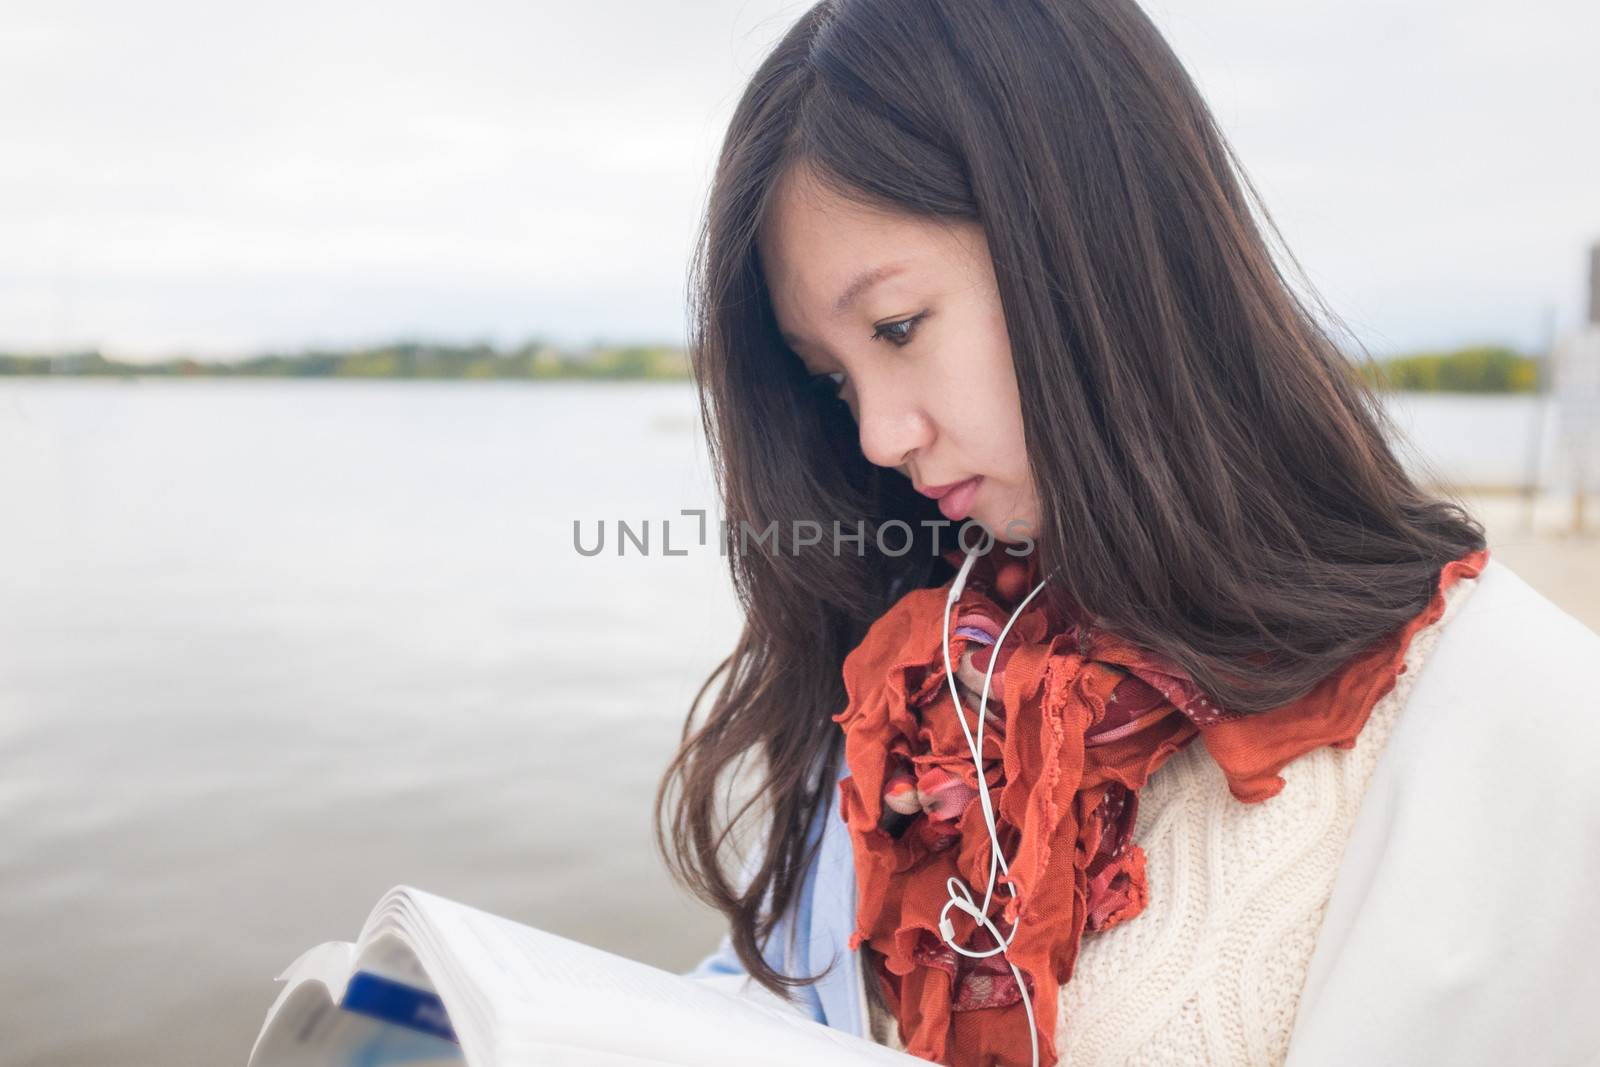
(219, 178)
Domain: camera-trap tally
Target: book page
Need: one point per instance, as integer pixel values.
(311, 1031)
(550, 993)
(328, 1017)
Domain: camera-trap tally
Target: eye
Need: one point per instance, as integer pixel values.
(897, 333)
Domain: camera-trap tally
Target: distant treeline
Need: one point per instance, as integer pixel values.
(1478, 369)
(401, 360)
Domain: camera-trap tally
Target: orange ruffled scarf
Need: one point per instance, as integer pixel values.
(1077, 721)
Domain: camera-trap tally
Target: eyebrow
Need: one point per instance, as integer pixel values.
(858, 286)
(864, 281)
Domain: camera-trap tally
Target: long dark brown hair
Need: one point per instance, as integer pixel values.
(1213, 480)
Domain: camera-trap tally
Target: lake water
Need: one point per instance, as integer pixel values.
(269, 648)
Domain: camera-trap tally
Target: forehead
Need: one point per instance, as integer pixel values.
(814, 242)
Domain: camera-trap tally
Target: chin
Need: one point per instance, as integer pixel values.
(1024, 528)
(1021, 528)
(1021, 535)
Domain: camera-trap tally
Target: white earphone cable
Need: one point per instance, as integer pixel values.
(960, 894)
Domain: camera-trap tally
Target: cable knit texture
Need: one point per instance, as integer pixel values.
(1211, 971)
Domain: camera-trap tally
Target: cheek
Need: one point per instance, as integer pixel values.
(978, 409)
(1002, 407)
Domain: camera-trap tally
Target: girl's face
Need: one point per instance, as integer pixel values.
(903, 313)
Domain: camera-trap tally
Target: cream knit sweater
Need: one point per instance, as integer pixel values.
(1211, 971)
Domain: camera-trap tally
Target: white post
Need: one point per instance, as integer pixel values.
(1577, 386)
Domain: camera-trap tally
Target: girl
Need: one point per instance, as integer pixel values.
(983, 308)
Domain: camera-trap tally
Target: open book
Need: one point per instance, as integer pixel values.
(432, 982)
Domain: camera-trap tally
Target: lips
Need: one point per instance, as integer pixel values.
(934, 492)
(955, 503)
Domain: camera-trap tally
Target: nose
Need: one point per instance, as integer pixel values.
(891, 422)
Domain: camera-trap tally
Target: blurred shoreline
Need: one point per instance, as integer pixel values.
(1482, 369)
